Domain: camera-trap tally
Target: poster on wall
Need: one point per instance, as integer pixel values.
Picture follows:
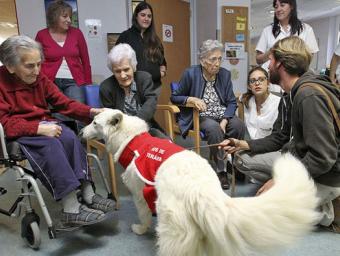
(235, 60)
(168, 34)
(234, 50)
(73, 4)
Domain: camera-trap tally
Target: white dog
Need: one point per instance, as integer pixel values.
(195, 216)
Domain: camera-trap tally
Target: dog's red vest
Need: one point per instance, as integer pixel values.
(148, 153)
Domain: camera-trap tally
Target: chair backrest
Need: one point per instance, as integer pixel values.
(92, 95)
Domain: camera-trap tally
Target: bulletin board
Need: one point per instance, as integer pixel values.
(234, 27)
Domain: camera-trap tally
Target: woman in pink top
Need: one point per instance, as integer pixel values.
(67, 60)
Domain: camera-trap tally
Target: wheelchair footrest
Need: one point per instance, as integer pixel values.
(2, 191)
(60, 227)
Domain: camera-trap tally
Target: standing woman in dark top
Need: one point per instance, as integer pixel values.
(143, 39)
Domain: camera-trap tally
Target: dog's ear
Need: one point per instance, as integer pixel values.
(116, 119)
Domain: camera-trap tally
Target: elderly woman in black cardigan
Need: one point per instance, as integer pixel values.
(129, 90)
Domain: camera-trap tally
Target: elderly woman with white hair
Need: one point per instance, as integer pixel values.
(129, 90)
(53, 150)
(209, 88)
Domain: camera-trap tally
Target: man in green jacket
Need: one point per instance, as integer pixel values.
(314, 135)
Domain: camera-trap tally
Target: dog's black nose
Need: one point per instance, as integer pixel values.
(81, 136)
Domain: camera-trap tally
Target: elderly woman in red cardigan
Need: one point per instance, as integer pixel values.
(53, 150)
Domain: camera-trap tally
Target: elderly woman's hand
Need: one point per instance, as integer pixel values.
(95, 111)
(198, 103)
(50, 130)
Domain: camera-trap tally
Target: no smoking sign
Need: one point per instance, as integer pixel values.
(167, 33)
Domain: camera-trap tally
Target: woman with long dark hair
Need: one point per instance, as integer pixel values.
(286, 23)
(143, 39)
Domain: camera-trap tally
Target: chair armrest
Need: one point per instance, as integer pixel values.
(172, 108)
(187, 105)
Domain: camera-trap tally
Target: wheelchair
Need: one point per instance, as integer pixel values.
(10, 158)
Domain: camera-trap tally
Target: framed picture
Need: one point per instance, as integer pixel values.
(111, 40)
(134, 3)
(73, 3)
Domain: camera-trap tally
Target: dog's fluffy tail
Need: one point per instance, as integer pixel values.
(276, 218)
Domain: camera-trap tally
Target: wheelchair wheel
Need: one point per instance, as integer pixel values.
(32, 237)
(30, 231)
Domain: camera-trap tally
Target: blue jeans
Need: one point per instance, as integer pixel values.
(70, 89)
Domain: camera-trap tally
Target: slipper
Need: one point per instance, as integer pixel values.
(103, 204)
(86, 216)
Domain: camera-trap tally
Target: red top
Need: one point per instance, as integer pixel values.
(75, 53)
(148, 153)
(23, 106)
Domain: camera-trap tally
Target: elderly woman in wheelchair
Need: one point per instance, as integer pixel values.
(52, 149)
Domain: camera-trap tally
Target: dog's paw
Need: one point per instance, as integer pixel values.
(138, 229)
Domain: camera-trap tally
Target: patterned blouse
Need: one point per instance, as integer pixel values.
(214, 108)
(130, 103)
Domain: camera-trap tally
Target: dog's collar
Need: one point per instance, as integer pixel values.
(129, 152)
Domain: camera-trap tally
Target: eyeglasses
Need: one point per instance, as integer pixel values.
(213, 60)
(259, 80)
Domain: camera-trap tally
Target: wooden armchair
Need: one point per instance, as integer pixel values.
(195, 132)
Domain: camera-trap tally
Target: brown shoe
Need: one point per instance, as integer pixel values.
(335, 228)
(223, 177)
(103, 204)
